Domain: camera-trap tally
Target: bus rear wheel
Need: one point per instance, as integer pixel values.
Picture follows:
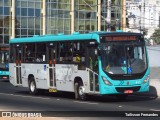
(32, 86)
(79, 91)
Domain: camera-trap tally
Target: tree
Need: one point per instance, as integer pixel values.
(145, 31)
(156, 36)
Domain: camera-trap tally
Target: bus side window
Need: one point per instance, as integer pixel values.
(66, 52)
(79, 54)
(40, 52)
(11, 58)
(61, 55)
(29, 52)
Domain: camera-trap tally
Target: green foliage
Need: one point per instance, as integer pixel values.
(156, 36)
(145, 31)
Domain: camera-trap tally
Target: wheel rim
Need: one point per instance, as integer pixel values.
(81, 90)
(32, 86)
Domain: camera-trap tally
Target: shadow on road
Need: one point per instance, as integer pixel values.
(70, 96)
(93, 98)
(4, 80)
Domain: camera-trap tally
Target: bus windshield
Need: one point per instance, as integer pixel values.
(123, 57)
(4, 58)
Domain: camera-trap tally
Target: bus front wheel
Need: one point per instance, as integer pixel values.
(32, 86)
(79, 91)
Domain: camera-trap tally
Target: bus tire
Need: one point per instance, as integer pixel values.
(32, 86)
(79, 91)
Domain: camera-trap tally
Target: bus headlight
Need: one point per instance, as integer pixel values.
(147, 79)
(106, 81)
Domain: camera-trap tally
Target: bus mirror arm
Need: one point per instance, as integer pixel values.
(98, 52)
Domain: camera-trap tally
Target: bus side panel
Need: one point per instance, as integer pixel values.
(38, 71)
(65, 76)
(12, 73)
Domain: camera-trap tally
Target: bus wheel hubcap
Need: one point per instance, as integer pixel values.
(81, 90)
(32, 87)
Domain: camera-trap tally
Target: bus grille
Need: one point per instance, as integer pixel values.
(120, 89)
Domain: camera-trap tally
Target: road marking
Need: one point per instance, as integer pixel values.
(154, 110)
(85, 102)
(24, 96)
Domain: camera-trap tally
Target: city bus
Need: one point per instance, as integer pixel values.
(4, 61)
(97, 63)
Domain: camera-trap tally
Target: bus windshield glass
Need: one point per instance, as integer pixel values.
(4, 58)
(127, 57)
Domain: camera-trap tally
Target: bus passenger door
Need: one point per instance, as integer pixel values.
(52, 62)
(18, 53)
(92, 63)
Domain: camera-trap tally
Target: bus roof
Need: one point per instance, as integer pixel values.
(58, 37)
(62, 37)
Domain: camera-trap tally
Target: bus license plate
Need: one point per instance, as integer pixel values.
(52, 90)
(128, 91)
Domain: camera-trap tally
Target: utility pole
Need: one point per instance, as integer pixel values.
(44, 17)
(99, 14)
(143, 17)
(140, 21)
(72, 16)
(108, 19)
(123, 20)
(13, 19)
(159, 19)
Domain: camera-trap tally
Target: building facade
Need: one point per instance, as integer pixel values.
(143, 14)
(25, 18)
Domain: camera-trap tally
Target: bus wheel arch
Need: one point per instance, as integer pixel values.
(32, 85)
(79, 89)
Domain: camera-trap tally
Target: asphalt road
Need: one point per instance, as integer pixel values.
(18, 99)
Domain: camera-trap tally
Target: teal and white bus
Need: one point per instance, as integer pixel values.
(4, 61)
(104, 63)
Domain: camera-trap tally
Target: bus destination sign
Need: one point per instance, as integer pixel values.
(4, 48)
(120, 38)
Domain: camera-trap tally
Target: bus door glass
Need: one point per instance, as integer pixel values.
(18, 53)
(52, 62)
(92, 53)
